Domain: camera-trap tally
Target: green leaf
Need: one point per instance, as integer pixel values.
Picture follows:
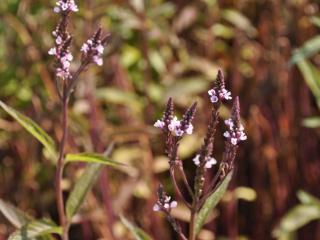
(90, 158)
(309, 48)
(211, 202)
(311, 122)
(312, 77)
(307, 198)
(240, 21)
(117, 96)
(33, 128)
(14, 215)
(315, 21)
(35, 229)
(81, 188)
(297, 217)
(138, 233)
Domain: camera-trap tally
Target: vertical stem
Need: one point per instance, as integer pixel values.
(60, 162)
(192, 234)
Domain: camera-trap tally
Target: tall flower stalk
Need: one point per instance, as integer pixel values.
(66, 80)
(174, 130)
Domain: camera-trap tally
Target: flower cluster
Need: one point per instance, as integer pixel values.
(219, 92)
(63, 58)
(209, 161)
(164, 202)
(172, 124)
(175, 127)
(93, 48)
(235, 132)
(65, 6)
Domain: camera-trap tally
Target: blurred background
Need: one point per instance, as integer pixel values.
(269, 52)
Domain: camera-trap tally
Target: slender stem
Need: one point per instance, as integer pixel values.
(74, 78)
(192, 233)
(177, 187)
(60, 162)
(185, 180)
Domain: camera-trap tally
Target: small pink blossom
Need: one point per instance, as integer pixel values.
(234, 134)
(165, 204)
(159, 124)
(65, 6)
(209, 161)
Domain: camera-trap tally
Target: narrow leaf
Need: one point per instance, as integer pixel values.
(211, 202)
(311, 122)
(138, 233)
(14, 215)
(35, 229)
(81, 188)
(240, 21)
(297, 217)
(91, 158)
(311, 76)
(309, 48)
(33, 128)
(307, 198)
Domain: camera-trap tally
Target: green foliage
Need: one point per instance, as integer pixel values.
(14, 215)
(239, 20)
(81, 188)
(33, 128)
(309, 48)
(34, 230)
(211, 202)
(312, 77)
(311, 122)
(138, 233)
(298, 216)
(90, 158)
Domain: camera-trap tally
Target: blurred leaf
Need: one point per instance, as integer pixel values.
(240, 21)
(91, 158)
(33, 128)
(210, 3)
(223, 31)
(81, 188)
(189, 145)
(311, 122)
(246, 193)
(204, 66)
(307, 198)
(211, 202)
(186, 88)
(138, 5)
(166, 10)
(297, 217)
(35, 229)
(14, 215)
(130, 55)
(309, 48)
(157, 62)
(312, 77)
(117, 96)
(315, 21)
(138, 233)
(185, 19)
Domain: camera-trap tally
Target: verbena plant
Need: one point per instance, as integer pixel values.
(204, 193)
(92, 50)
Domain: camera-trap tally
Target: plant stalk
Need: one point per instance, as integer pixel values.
(192, 233)
(60, 162)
